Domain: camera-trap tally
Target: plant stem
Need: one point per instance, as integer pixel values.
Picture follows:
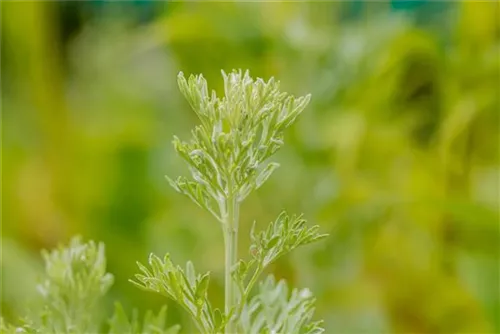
(231, 255)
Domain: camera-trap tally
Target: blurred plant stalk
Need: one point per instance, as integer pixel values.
(34, 26)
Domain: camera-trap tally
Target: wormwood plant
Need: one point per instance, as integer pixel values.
(71, 291)
(227, 157)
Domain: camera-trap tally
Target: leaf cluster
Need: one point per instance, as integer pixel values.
(237, 134)
(227, 157)
(275, 310)
(190, 290)
(73, 285)
(184, 286)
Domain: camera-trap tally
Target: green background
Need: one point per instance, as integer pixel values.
(396, 156)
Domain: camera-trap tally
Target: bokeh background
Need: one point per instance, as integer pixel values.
(396, 157)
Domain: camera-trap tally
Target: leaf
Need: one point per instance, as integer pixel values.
(218, 319)
(186, 288)
(281, 237)
(190, 274)
(265, 174)
(201, 289)
(175, 285)
(119, 322)
(271, 243)
(241, 269)
(276, 310)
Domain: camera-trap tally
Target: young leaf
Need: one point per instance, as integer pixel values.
(172, 281)
(275, 310)
(281, 237)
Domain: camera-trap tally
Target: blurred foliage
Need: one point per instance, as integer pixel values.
(397, 156)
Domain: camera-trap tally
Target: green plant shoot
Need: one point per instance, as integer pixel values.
(227, 157)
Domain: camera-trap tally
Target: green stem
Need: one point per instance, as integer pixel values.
(246, 291)
(231, 255)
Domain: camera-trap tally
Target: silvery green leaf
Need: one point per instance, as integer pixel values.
(75, 281)
(265, 174)
(282, 236)
(275, 309)
(71, 289)
(190, 273)
(249, 118)
(202, 286)
(178, 284)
